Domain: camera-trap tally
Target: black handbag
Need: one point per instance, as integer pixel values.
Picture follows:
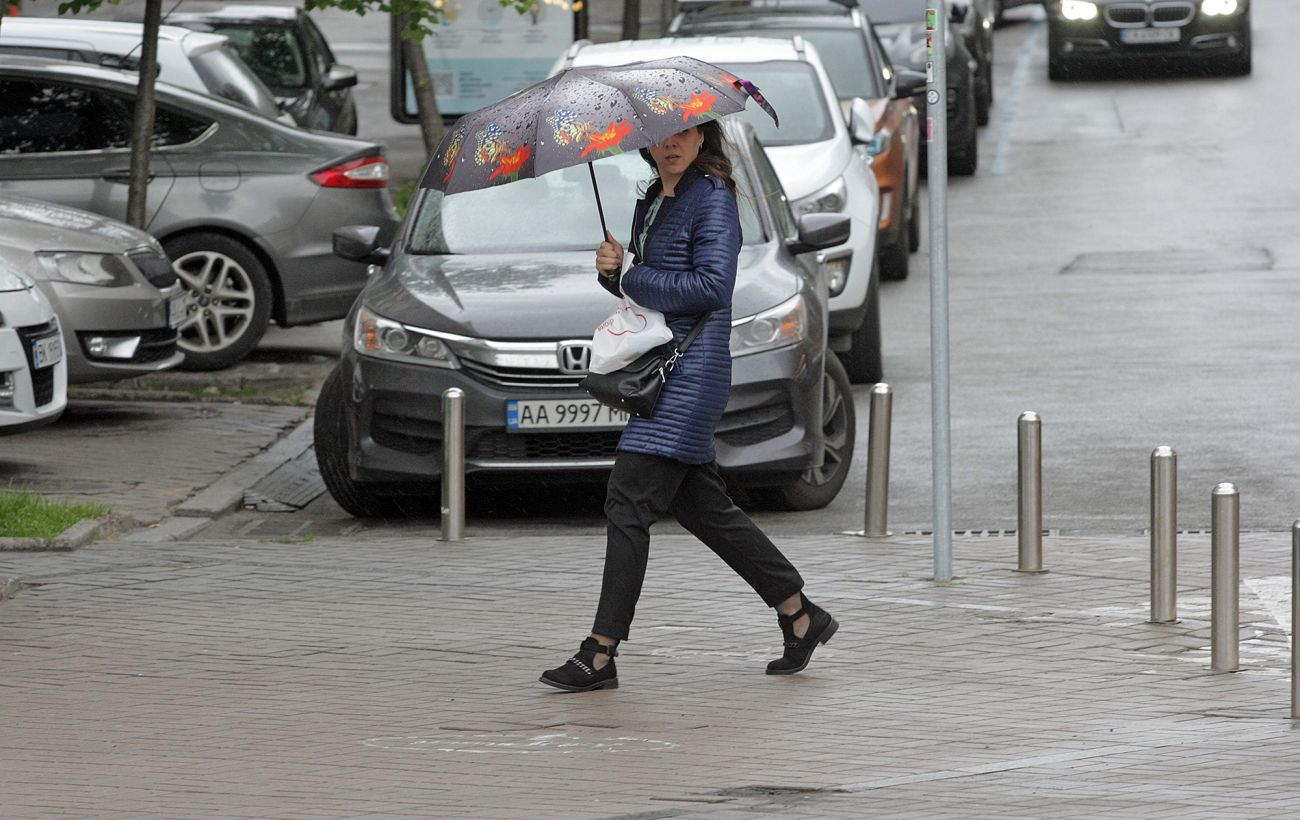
(635, 388)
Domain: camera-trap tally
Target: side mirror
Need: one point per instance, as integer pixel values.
(909, 83)
(359, 243)
(958, 13)
(339, 76)
(862, 122)
(820, 231)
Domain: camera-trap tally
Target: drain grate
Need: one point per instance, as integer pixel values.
(292, 486)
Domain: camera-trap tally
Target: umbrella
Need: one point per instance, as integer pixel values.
(580, 115)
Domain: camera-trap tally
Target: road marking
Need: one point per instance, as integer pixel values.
(1007, 111)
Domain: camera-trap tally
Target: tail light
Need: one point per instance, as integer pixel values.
(367, 172)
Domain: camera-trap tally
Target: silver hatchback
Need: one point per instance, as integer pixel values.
(244, 205)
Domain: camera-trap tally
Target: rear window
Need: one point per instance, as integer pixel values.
(272, 52)
(795, 92)
(843, 52)
(896, 11)
(225, 75)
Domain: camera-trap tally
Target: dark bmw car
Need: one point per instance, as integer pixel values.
(901, 26)
(1111, 34)
(494, 292)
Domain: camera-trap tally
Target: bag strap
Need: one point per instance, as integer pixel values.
(695, 331)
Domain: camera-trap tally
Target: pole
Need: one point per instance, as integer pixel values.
(1224, 574)
(1164, 536)
(1029, 492)
(1295, 619)
(453, 464)
(936, 128)
(876, 525)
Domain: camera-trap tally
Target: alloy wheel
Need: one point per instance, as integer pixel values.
(220, 300)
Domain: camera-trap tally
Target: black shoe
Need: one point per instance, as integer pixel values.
(579, 673)
(798, 651)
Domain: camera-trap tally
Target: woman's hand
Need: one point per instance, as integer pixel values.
(609, 257)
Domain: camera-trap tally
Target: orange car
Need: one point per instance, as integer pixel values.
(876, 104)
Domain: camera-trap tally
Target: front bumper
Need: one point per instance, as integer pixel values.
(115, 333)
(38, 395)
(770, 431)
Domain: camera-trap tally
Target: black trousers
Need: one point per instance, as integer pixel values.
(642, 489)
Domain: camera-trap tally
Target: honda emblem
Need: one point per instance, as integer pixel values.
(575, 357)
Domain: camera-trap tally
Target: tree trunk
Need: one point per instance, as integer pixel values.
(426, 101)
(137, 196)
(631, 19)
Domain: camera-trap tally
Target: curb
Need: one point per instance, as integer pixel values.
(78, 535)
(227, 493)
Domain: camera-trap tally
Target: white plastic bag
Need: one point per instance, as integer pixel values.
(625, 335)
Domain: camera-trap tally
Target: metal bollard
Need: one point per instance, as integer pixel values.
(1295, 619)
(1224, 577)
(877, 519)
(453, 465)
(1029, 529)
(1164, 536)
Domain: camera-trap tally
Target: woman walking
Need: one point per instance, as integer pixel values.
(685, 243)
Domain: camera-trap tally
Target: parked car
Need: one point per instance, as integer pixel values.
(206, 63)
(975, 20)
(901, 25)
(33, 373)
(287, 50)
(111, 285)
(864, 78)
(243, 205)
(1109, 34)
(814, 156)
(507, 316)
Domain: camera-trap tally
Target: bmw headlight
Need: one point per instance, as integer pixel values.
(1214, 8)
(830, 199)
(385, 339)
(783, 325)
(104, 270)
(1078, 10)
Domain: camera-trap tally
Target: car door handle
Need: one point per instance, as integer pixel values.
(122, 175)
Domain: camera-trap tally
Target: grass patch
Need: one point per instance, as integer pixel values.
(402, 193)
(25, 514)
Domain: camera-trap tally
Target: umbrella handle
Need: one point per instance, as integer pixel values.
(599, 209)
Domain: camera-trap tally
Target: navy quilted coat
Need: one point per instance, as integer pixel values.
(687, 268)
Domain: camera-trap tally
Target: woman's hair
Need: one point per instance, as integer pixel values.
(712, 159)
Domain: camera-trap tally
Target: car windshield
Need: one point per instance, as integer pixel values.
(896, 11)
(227, 76)
(844, 55)
(271, 51)
(554, 212)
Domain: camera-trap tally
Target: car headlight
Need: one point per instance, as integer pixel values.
(1214, 8)
(1078, 10)
(830, 199)
(104, 270)
(385, 339)
(783, 325)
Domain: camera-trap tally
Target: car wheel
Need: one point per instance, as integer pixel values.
(965, 159)
(863, 360)
(818, 486)
(984, 95)
(1057, 70)
(894, 256)
(914, 226)
(331, 438)
(227, 299)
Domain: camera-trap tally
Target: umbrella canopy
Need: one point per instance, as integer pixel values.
(580, 115)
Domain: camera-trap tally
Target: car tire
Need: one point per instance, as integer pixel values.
(965, 159)
(984, 95)
(863, 360)
(1057, 70)
(227, 299)
(818, 486)
(331, 438)
(893, 257)
(914, 225)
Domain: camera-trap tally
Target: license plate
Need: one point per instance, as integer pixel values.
(1144, 36)
(175, 311)
(47, 351)
(562, 414)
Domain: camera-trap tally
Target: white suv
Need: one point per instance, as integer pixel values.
(33, 372)
(814, 157)
(200, 61)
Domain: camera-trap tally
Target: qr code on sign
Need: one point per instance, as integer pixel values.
(444, 83)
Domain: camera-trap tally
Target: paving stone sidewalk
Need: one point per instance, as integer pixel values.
(396, 677)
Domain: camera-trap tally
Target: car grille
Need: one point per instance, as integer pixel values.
(1161, 14)
(495, 445)
(519, 376)
(1125, 16)
(157, 269)
(1172, 14)
(43, 379)
(756, 424)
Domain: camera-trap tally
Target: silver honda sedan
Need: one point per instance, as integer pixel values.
(113, 288)
(244, 205)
